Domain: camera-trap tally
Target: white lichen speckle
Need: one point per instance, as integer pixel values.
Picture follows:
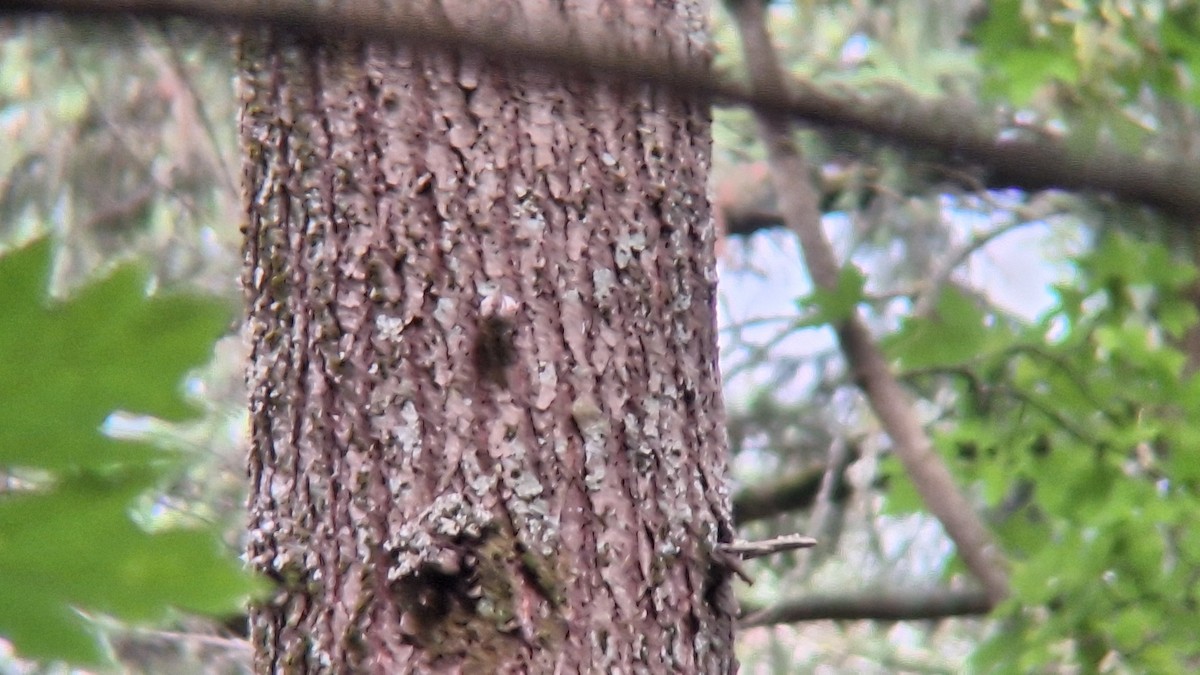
(389, 327)
(604, 281)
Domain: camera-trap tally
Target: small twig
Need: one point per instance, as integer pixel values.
(748, 550)
(730, 555)
(731, 562)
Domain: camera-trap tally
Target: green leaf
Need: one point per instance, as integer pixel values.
(68, 544)
(76, 547)
(1122, 258)
(1180, 37)
(833, 306)
(68, 365)
(1020, 64)
(1002, 27)
(954, 334)
(1176, 315)
(902, 495)
(996, 653)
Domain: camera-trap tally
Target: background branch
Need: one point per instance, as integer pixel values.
(953, 128)
(909, 606)
(793, 493)
(868, 364)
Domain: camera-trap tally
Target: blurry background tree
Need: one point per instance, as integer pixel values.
(1016, 181)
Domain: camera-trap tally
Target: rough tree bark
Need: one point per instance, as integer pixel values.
(486, 414)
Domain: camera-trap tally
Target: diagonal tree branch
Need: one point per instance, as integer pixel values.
(956, 129)
(871, 370)
(908, 606)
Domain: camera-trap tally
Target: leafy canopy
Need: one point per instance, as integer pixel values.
(1078, 434)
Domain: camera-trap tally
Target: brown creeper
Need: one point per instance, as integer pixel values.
(495, 349)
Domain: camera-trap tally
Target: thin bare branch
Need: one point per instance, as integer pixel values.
(789, 494)
(883, 606)
(955, 128)
(1019, 216)
(868, 364)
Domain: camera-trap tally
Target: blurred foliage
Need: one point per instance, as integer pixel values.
(1077, 433)
(70, 546)
(1098, 52)
(119, 140)
(1114, 72)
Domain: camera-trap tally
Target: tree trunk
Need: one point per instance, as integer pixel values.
(487, 424)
